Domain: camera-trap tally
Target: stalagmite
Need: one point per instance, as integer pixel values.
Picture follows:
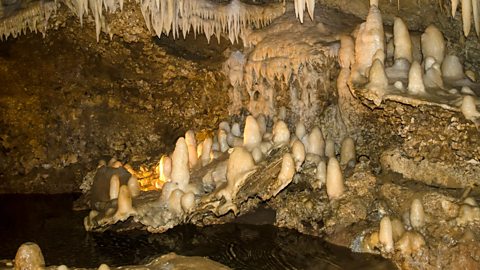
(29, 257)
(286, 172)
(320, 175)
(334, 181)
(410, 243)
(206, 151)
(452, 69)
(167, 190)
(224, 126)
(402, 41)
(165, 167)
(175, 201)
(316, 143)
(114, 186)
(467, 91)
(329, 148)
(386, 234)
(397, 229)
(262, 123)
(469, 108)
(378, 80)
(346, 54)
(370, 39)
(125, 208)
(133, 186)
(257, 154)
(281, 134)
(236, 130)
(433, 44)
(347, 151)
(180, 172)
(240, 165)
(415, 79)
(188, 201)
(417, 214)
(298, 153)
(300, 130)
(467, 16)
(240, 162)
(251, 135)
(433, 77)
(222, 140)
(192, 148)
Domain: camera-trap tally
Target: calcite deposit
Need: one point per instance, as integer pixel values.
(362, 128)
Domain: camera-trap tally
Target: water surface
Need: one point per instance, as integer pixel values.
(50, 222)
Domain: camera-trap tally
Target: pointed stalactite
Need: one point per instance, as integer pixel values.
(467, 16)
(476, 19)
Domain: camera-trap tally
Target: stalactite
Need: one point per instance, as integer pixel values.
(34, 18)
(202, 16)
(300, 8)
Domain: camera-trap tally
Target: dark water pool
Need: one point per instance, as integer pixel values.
(50, 222)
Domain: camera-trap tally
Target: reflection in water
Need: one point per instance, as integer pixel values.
(49, 221)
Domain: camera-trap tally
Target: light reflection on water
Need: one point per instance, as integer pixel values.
(50, 222)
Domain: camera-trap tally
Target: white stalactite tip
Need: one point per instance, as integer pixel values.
(467, 16)
(454, 7)
(334, 181)
(476, 19)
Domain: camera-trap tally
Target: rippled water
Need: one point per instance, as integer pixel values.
(50, 222)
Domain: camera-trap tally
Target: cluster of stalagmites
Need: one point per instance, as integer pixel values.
(409, 69)
(226, 160)
(406, 234)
